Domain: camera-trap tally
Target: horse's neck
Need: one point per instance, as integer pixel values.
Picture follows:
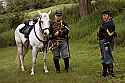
(38, 31)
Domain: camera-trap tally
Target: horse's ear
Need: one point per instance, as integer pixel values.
(50, 11)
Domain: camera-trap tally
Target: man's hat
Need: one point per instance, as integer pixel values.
(58, 13)
(107, 12)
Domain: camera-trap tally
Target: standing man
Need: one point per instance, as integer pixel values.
(59, 36)
(106, 40)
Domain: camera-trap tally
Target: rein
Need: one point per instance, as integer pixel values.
(41, 31)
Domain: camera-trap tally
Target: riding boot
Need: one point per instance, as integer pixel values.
(66, 62)
(57, 65)
(110, 70)
(104, 71)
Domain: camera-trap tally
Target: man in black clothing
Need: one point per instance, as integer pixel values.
(106, 38)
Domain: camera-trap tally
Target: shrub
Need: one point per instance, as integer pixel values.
(7, 39)
(4, 25)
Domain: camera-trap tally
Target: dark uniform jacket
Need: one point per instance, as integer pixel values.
(103, 34)
(61, 27)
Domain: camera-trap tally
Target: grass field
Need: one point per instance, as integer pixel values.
(84, 67)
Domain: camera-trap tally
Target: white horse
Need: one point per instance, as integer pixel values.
(37, 37)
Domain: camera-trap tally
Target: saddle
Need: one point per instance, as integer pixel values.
(26, 30)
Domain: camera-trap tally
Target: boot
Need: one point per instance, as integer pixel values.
(104, 72)
(57, 65)
(110, 70)
(66, 62)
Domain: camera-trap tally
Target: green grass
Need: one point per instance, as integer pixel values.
(84, 67)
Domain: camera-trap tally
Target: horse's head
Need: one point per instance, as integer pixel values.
(44, 23)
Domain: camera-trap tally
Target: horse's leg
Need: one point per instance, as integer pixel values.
(21, 55)
(45, 60)
(25, 51)
(34, 56)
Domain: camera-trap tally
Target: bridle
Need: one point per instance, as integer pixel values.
(41, 30)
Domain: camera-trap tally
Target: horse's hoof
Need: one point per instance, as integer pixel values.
(32, 73)
(46, 71)
(22, 68)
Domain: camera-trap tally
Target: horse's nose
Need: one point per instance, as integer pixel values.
(46, 32)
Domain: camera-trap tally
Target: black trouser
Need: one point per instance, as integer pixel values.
(66, 62)
(57, 65)
(104, 71)
(110, 69)
(107, 69)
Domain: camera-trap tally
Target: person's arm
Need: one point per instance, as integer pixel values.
(65, 30)
(110, 33)
(111, 29)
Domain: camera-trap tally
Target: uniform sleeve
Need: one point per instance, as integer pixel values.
(66, 28)
(65, 31)
(111, 28)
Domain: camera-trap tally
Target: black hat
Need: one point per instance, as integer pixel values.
(59, 13)
(107, 12)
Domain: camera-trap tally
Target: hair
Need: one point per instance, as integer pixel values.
(108, 13)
